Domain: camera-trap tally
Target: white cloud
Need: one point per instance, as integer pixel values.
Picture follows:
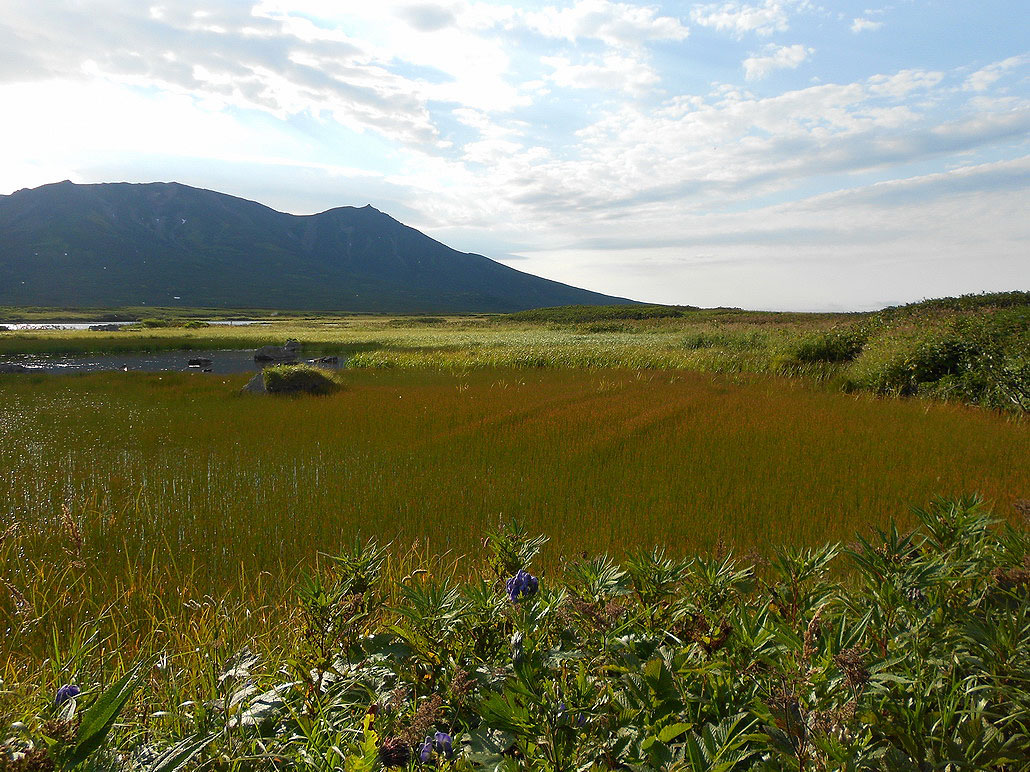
(612, 72)
(865, 25)
(984, 78)
(740, 18)
(616, 24)
(775, 57)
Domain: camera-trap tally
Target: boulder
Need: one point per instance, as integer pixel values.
(255, 385)
(200, 362)
(286, 353)
(104, 327)
(10, 367)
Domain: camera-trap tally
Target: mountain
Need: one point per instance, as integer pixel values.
(166, 244)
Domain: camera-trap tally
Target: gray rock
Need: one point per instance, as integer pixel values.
(200, 362)
(286, 353)
(6, 367)
(104, 327)
(255, 385)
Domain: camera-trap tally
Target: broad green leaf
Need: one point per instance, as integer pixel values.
(98, 720)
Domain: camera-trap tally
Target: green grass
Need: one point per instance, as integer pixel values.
(973, 349)
(174, 475)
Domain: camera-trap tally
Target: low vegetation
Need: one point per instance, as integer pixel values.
(299, 379)
(973, 349)
(908, 650)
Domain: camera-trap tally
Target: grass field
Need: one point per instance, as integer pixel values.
(176, 476)
(972, 349)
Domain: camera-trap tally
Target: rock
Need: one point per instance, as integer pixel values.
(255, 385)
(104, 327)
(286, 353)
(330, 360)
(7, 367)
(200, 362)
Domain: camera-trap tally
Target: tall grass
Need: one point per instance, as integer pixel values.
(178, 470)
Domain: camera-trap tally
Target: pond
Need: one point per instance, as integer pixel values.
(28, 326)
(224, 362)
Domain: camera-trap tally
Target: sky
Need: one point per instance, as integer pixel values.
(775, 154)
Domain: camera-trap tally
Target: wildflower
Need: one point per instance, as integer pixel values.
(425, 751)
(441, 743)
(65, 693)
(522, 585)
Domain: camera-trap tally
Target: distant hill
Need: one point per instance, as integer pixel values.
(166, 244)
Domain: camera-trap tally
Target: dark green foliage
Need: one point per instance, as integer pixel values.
(579, 314)
(909, 651)
(298, 379)
(836, 345)
(970, 302)
(982, 359)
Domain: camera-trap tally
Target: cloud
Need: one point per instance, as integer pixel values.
(740, 18)
(865, 25)
(611, 72)
(774, 57)
(984, 78)
(616, 24)
(426, 17)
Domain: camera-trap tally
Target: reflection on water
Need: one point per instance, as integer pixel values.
(225, 362)
(28, 326)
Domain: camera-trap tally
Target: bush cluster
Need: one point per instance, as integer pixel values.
(981, 360)
(298, 379)
(918, 659)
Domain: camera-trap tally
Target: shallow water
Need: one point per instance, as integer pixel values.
(86, 325)
(224, 362)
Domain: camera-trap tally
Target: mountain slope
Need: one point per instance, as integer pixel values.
(164, 244)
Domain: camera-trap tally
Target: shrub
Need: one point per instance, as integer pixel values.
(298, 379)
(195, 324)
(830, 346)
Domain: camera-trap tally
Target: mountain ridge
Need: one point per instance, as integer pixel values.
(166, 243)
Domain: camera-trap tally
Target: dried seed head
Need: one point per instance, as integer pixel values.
(394, 752)
(423, 720)
(812, 633)
(852, 663)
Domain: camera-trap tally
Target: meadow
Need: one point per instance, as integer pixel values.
(219, 539)
(973, 349)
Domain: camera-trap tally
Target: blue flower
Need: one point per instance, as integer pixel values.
(65, 693)
(522, 585)
(425, 751)
(444, 744)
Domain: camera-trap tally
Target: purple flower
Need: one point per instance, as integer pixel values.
(65, 693)
(425, 751)
(444, 744)
(522, 585)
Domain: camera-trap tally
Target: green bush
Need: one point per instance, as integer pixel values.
(298, 379)
(195, 324)
(830, 346)
(981, 359)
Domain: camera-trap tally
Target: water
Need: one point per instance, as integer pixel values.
(13, 326)
(225, 362)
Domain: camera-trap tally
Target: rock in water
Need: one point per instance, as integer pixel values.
(286, 353)
(6, 367)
